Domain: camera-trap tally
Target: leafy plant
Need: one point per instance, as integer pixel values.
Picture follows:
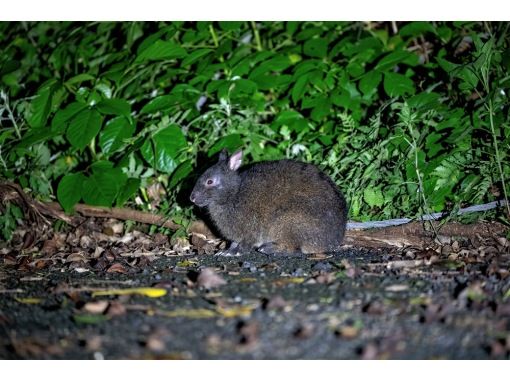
(405, 122)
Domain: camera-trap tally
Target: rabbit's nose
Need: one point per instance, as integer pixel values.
(192, 197)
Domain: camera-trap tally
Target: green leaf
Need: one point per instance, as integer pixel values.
(161, 50)
(230, 142)
(84, 127)
(425, 101)
(398, 84)
(162, 149)
(373, 197)
(79, 78)
(114, 133)
(317, 47)
(36, 136)
(396, 57)
(89, 319)
(230, 25)
(369, 83)
(414, 29)
(102, 187)
(195, 56)
(299, 88)
(131, 187)
(181, 172)
(322, 108)
(114, 107)
(69, 190)
(160, 103)
(62, 117)
(40, 106)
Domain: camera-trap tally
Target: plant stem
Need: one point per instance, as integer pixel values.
(490, 109)
(257, 35)
(414, 145)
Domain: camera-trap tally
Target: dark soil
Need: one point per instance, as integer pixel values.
(401, 304)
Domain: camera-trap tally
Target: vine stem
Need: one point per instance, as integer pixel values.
(490, 109)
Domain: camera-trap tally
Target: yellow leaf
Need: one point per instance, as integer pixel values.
(236, 311)
(248, 279)
(289, 280)
(188, 313)
(28, 301)
(148, 292)
(187, 263)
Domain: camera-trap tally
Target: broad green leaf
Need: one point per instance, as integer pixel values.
(69, 190)
(40, 106)
(321, 109)
(63, 116)
(396, 57)
(369, 82)
(425, 100)
(416, 28)
(242, 87)
(114, 107)
(131, 187)
(373, 197)
(162, 149)
(230, 25)
(114, 133)
(299, 88)
(79, 78)
(316, 47)
(84, 127)
(195, 56)
(8, 67)
(35, 136)
(181, 172)
(103, 186)
(160, 50)
(230, 142)
(446, 65)
(160, 103)
(398, 84)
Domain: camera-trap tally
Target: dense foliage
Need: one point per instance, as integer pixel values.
(407, 118)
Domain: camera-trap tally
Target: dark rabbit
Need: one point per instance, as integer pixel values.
(274, 207)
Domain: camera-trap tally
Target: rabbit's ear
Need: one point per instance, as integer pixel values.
(235, 160)
(223, 155)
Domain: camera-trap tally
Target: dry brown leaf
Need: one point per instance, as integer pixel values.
(117, 268)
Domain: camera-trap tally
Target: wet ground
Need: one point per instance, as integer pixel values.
(358, 303)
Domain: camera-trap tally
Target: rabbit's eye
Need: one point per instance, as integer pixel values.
(209, 182)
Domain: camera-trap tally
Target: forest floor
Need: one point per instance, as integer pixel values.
(97, 292)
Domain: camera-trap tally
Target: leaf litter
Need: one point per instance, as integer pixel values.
(104, 291)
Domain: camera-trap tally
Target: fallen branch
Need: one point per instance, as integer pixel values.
(118, 213)
(36, 211)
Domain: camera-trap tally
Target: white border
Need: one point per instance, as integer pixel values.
(247, 370)
(193, 10)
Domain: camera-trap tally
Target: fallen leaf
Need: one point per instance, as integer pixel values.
(188, 313)
(236, 311)
(397, 288)
(148, 292)
(97, 307)
(289, 280)
(29, 301)
(117, 268)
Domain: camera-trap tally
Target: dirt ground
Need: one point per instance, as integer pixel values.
(100, 293)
